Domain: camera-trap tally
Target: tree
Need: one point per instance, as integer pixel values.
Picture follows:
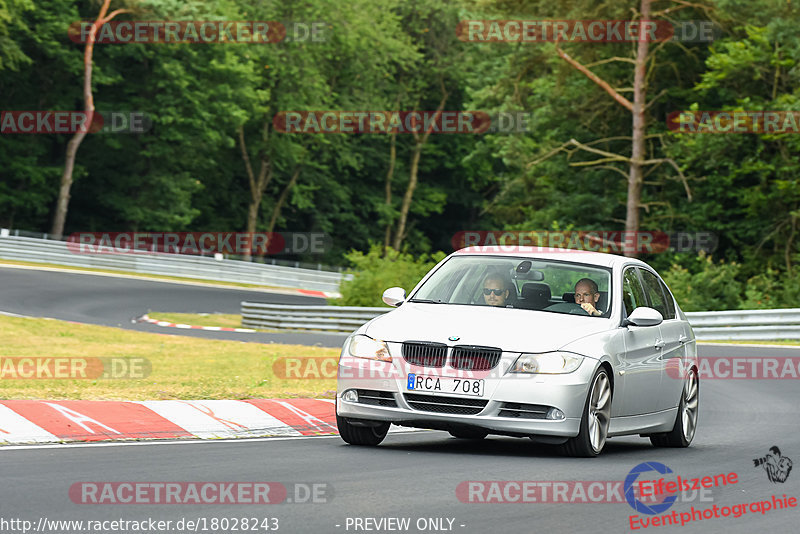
(62, 203)
(11, 54)
(330, 73)
(637, 108)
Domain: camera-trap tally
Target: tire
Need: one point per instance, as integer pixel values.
(468, 433)
(595, 420)
(685, 425)
(361, 435)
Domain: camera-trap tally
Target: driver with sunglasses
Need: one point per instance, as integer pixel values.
(494, 290)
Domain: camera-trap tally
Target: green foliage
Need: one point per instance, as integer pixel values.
(187, 172)
(711, 286)
(11, 54)
(373, 273)
(771, 289)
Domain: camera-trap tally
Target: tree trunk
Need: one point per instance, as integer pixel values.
(419, 142)
(388, 186)
(276, 211)
(407, 198)
(258, 184)
(637, 142)
(62, 204)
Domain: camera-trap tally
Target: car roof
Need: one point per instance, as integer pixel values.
(600, 259)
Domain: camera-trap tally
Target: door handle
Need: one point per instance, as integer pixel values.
(683, 339)
(660, 344)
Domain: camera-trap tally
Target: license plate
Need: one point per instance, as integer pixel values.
(445, 384)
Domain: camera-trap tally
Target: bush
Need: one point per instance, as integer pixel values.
(771, 289)
(712, 287)
(373, 273)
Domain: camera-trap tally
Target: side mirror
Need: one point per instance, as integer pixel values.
(395, 296)
(644, 316)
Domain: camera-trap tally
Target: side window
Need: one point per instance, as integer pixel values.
(652, 286)
(669, 301)
(632, 292)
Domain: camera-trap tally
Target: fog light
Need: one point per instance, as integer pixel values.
(350, 396)
(554, 414)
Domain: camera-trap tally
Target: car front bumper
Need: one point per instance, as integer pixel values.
(565, 392)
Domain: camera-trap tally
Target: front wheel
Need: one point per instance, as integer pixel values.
(683, 431)
(361, 435)
(596, 417)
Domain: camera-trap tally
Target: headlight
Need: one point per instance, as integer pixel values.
(550, 363)
(371, 349)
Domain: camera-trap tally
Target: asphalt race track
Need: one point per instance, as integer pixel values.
(117, 301)
(411, 475)
(415, 475)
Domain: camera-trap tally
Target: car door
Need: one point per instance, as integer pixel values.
(640, 365)
(674, 333)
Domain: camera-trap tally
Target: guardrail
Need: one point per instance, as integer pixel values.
(721, 325)
(746, 324)
(290, 317)
(195, 267)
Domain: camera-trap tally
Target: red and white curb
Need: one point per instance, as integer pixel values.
(145, 319)
(315, 293)
(35, 421)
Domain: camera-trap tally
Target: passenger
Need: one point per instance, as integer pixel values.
(587, 295)
(495, 290)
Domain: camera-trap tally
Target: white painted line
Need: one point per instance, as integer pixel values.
(9, 314)
(394, 430)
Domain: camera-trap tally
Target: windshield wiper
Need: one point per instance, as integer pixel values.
(428, 301)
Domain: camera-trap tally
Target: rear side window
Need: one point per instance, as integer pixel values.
(655, 292)
(669, 300)
(632, 292)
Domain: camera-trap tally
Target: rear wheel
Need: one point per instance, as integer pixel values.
(468, 433)
(594, 424)
(683, 431)
(362, 435)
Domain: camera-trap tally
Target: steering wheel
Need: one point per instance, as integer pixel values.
(572, 308)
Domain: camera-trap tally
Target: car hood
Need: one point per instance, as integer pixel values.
(513, 330)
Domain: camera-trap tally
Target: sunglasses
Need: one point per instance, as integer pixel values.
(497, 292)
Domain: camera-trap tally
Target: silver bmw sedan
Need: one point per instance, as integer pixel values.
(561, 346)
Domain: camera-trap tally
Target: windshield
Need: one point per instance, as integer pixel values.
(518, 282)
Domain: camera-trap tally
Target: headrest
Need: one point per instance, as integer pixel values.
(536, 295)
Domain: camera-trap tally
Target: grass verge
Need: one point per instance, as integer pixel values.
(182, 367)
